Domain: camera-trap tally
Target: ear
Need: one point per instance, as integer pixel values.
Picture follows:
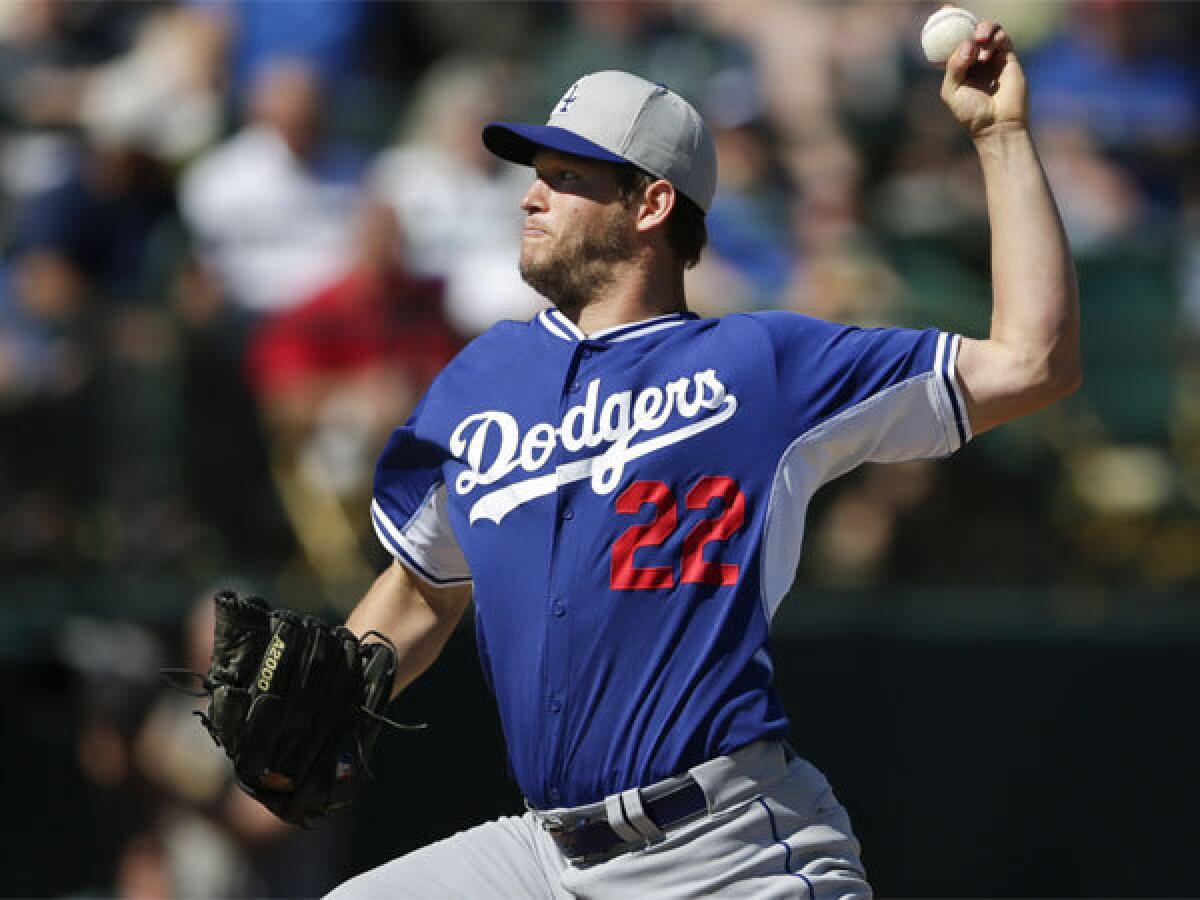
(656, 205)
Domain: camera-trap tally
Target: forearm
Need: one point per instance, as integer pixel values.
(417, 618)
(1035, 314)
(1030, 358)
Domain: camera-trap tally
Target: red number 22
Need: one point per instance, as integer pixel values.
(625, 576)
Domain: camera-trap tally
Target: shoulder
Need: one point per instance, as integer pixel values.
(796, 343)
(491, 351)
(779, 321)
(501, 338)
(777, 329)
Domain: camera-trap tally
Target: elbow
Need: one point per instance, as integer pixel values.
(1071, 382)
(1003, 383)
(1057, 380)
(1065, 371)
(1052, 364)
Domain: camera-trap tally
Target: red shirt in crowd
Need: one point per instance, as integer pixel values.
(364, 320)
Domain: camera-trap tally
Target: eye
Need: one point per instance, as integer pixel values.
(558, 176)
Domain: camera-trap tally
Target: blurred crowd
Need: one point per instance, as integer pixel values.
(240, 239)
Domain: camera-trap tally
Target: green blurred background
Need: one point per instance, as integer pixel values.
(241, 237)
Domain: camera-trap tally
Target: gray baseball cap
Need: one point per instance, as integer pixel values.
(619, 117)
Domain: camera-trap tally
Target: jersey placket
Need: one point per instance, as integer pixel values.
(558, 650)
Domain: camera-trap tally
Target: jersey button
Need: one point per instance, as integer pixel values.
(555, 705)
(568, 514)
(559, 609)
(574, 387)
(554, 794)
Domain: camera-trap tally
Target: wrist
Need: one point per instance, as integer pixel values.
(1000, 134)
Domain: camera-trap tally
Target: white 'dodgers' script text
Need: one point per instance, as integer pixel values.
(615, 423)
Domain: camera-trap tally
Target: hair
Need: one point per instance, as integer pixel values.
(687, 232)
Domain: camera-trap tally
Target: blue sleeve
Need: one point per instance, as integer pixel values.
(825, 372)
(409, 508)
(851, 396)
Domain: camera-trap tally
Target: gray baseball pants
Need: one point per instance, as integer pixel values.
(773, 829)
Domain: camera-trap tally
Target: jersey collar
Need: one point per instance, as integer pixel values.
(562, 327)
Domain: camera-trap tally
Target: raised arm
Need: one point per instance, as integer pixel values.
(418, 618)
(1030, 359)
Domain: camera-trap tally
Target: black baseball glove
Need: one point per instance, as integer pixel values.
(296, 704)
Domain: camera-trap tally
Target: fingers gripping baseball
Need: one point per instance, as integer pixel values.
(984, 85)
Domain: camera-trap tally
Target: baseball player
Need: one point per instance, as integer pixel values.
(620, 486)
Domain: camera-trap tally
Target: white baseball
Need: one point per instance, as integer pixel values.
(944, 31)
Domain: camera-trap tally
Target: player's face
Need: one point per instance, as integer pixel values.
(577, 226)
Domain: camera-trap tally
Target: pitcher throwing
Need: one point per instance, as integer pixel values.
(621, 487)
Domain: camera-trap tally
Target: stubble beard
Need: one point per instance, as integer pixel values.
(578, 266)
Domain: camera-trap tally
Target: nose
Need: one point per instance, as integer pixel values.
(535, 198)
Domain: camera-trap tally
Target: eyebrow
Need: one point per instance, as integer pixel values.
(553, 158)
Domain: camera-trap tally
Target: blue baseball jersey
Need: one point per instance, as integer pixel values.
(630, 507)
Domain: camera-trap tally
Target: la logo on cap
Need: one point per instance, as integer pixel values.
(624, 119)
(572, 94)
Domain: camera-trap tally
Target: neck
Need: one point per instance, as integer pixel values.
(636, 292)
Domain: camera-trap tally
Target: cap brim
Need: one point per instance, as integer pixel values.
(518, 143)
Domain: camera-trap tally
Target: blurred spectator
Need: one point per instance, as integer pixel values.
(790, 46)
(272, 206)
(334, 376)
(89, 228)
(47, 51)
(33, 359)
(846, 193)
(90, 235)
(192, 832)
(162, 94)
(112, 666)
(1100, 203)
(1121, 73)
(460, 206)
(377, 328)
(78, 308)
(477, 30)
(143, 870)
(659, 40)
(222, 456)
(932, 187)
(1112, 71)
(45, 63)
(749, 223)
(842, 274)
(47, 411)
(327, 36)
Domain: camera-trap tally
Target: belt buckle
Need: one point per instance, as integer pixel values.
(563, 835)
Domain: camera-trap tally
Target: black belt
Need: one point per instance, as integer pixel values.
(590, 839)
